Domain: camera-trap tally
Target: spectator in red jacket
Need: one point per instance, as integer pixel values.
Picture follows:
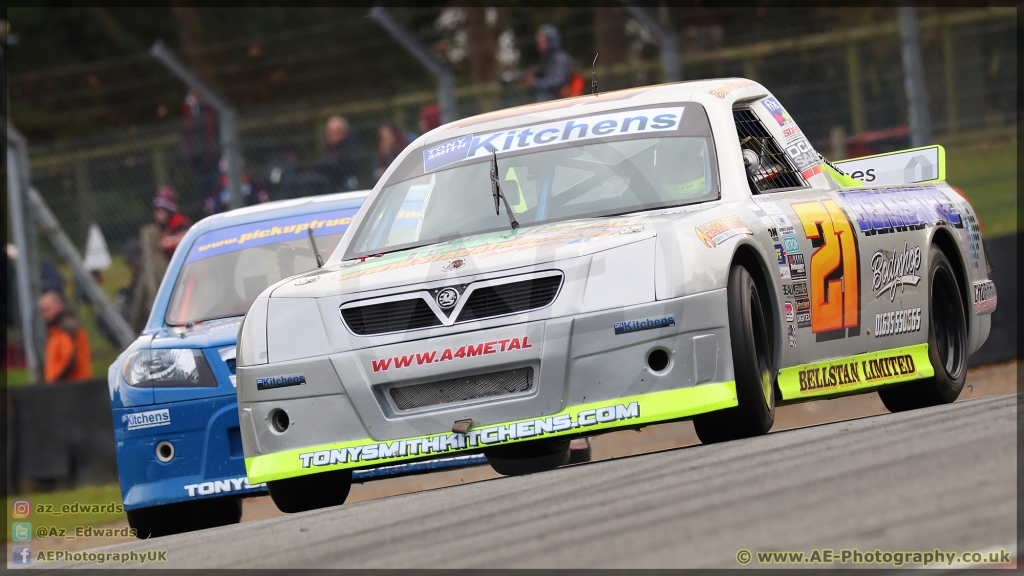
(172, 224)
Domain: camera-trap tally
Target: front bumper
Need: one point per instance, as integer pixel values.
(589, 377)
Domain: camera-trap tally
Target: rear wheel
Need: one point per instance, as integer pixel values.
(184, 517)
(528, 457)
(752, 339)
(947, 344)
(311, 492)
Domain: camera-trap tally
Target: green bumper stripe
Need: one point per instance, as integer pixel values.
(855, 372)
(620, 412)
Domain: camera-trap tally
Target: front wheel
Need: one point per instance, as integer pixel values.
(184, 517)
(752, 338)
(311, 492)
(947, 344)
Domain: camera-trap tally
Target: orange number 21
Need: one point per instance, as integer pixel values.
(833, 276)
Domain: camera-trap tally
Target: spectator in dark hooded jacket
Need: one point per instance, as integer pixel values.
(555, 69)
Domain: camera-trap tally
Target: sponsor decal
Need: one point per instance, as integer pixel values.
(791, 133)
(309, 280)
(833, 277)
(447, 298)
(221, 487)
(804, 157)
(780, 254)
(768, 205)
(792, 336)
(896, 168)
(860, 371)
(234, 238)
(894, 270)
(717, 231)
(480, 437)
(803, 319)
(470, 147)
(887, 210)
(777, 111)
(645, 324)
(791, 244)
(974, 235)
(897, 322)
(728, 87)
(272, 382)
(796, 265)
(984, 296)
(784, 273)
(150, 419)
(789, 311)
(447, 153)
(629, 411)
(800, 291)
(491, 244)
(482, 349)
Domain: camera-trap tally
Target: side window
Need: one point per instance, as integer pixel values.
(768, 167)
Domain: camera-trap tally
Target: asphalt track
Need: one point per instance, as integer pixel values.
(943, 477)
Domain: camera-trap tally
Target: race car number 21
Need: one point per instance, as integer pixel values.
(833, 275)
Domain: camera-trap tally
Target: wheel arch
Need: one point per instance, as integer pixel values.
(748, 256)
(944, 240)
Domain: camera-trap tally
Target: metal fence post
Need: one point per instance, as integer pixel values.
(229, 140)
(445, 78)
(666, 38)
(52, 228)
(33, 330)
(913, 78)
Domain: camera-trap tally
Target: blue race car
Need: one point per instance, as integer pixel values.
(172, 392)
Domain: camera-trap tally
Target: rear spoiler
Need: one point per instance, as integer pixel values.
(913, 166)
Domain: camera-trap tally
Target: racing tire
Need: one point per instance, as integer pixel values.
(947, 344)
(579, 450)
(528, 457)
(311, 492)
(752, 337)
(184, 517)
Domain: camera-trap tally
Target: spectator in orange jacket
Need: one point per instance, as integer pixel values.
(67, 345)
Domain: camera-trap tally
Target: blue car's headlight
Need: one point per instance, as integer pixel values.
(168, 368)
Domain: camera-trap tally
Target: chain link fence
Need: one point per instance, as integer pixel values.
(848, 80)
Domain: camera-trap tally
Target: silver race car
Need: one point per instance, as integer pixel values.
(523, 278)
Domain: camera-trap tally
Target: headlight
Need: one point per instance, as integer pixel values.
(168, 368)
(252, 335)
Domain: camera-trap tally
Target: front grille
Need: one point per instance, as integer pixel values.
(463, 388)
(510, 298)
(390, 317)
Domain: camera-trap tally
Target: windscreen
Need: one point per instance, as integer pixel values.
(599, 165)
(226, 269)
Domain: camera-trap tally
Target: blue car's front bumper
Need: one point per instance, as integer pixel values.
(207, 459)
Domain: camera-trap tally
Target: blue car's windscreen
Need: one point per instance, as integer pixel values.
(226, 269)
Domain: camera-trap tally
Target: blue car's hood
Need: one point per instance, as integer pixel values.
(212, 334)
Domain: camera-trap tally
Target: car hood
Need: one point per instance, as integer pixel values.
(221, 332)
(482, 253)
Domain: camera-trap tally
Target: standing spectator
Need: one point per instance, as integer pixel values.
(67, 344)
(201, 137)
(555, 69)
(340, 161)
(158, 241)
(392, 142)
(430, 118)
